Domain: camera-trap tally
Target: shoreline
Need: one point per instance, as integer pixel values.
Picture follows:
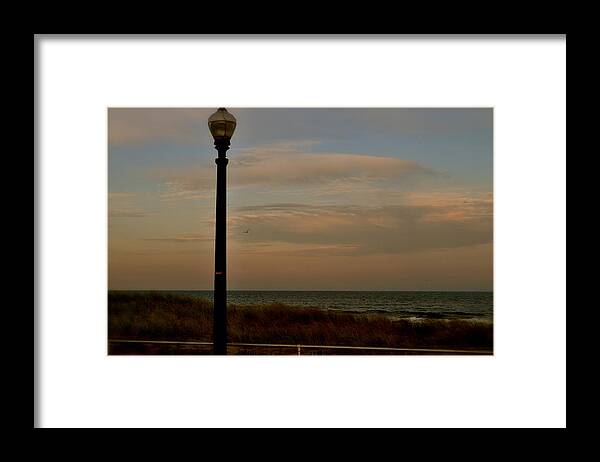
(396, 308)
(154, 316)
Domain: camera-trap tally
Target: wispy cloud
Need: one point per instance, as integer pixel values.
(127, 126)
(179, 190)
(183, 126)
(459, 206)
(118, 213)
(285, 165)
(123, 205)
(365, 230)
(184, 238)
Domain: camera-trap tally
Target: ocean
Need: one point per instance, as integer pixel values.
(397, 304)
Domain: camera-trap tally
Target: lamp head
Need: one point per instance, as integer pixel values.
(221, 125)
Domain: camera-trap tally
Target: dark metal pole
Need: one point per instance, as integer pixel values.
(220, 288)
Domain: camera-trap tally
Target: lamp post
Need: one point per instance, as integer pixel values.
(221, 125)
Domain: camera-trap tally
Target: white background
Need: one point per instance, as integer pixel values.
(522, 385)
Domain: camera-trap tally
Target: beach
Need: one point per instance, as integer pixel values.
(165, 323)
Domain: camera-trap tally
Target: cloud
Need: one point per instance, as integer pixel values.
(117, 213)
(147, 125)
(291, 168)
(287, 165)
(460, 206)
(123, 205)
(184, 238)
(177, 190)
(188, 126)
(352, 229)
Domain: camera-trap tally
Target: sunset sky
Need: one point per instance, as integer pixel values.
(333, 199)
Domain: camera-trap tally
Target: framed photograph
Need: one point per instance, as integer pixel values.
(305, 231)
(313, 221)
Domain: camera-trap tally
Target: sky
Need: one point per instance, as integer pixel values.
(317, 199)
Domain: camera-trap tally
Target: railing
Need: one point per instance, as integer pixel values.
(300, 347)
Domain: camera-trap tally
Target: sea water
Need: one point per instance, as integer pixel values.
(398, 304)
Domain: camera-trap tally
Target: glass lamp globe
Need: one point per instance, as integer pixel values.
(221, 125)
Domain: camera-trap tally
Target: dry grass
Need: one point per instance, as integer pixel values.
(156, 316)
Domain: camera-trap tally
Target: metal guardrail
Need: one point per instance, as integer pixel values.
(319, 347)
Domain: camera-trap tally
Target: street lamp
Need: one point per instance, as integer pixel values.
(221, 125)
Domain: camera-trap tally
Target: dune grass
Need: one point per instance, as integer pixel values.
(157, 316)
